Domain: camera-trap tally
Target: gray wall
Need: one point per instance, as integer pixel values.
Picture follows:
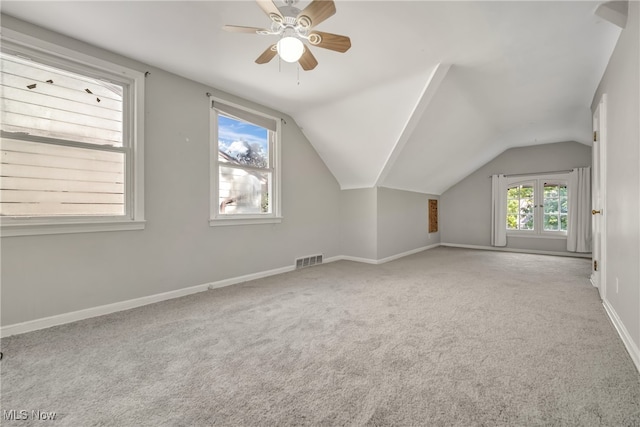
(54, 274)
(379, 223)
(403, 222)
(466, 207)
(622, 87)
(50, 275)
(358, 235)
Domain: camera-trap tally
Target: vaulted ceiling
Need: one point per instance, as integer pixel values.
(428, 92)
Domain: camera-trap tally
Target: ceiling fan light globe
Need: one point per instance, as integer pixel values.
(290, 49)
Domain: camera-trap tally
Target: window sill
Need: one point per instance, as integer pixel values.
(33, 229)
(538, 236)
(221, 222)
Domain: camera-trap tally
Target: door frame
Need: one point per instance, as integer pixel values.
(599, 196)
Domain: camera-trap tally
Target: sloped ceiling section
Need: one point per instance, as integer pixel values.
(361, 128)
(540, 67)
(448, 142)
(428, 92)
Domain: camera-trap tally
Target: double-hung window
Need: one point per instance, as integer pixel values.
(72, 140)
(245, 176)
(537, 206)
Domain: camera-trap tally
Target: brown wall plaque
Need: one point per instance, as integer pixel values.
(433, 216)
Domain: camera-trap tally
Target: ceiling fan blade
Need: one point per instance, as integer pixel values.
(330, 41)
(270, 8)
(241, 29)
(307, 61)
(316, 12)
(267, 55)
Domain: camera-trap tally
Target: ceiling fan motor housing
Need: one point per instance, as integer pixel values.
(291, 19)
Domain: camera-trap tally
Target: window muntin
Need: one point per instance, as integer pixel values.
(537, 206)
(244, 179)
(72, 141)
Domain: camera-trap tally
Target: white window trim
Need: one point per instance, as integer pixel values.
(134, 219)
(538, 232)
(216, 219)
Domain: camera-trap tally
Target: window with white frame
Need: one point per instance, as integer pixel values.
(537, 206)
(245, 173)
(71, 143)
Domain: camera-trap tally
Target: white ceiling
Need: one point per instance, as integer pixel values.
(429, 91)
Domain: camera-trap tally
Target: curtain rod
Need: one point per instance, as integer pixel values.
(536, 173)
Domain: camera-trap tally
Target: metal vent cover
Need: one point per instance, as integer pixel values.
(308, 261)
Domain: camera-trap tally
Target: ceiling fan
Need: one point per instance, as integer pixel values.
(293, 26)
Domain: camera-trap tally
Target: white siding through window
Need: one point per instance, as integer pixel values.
(45, 179)
(43, 101)
(245, 178)
(63, 150)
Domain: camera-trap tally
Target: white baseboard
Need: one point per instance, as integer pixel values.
(356, 259)
(407, 253)
(524, 251)
(383, 260)
(332, 259)
(74, 316)
(632, 348)
(248, 277)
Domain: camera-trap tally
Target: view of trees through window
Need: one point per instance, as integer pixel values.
(537, 206)
(520, 206)
(243, 143)
(556, 207)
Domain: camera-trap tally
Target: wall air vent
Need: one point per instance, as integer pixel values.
(308, 261)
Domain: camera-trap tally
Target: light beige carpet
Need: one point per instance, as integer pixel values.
(444, 337)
